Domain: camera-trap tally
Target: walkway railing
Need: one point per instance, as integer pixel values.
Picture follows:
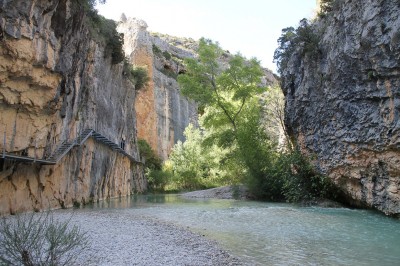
(66, 146)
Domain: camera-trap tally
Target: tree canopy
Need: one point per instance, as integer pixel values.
(227, 87)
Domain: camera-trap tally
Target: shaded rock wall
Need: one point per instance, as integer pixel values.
(162, 112)
(343, 101)
(54, 83)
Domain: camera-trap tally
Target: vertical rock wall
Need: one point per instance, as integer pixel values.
(343, 101)
(162, 112)
(56, 82)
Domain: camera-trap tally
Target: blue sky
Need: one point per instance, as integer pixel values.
(250, 27)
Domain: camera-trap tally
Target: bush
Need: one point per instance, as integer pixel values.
(303, 39)
(37, 239)
(195, 165)
(105, 32)
(138, 76)
(156, 50)
(325, 7)
(153, 161)
(89, 5)
(167, 55)
(291, 177)
(157, 179)
(301, 181)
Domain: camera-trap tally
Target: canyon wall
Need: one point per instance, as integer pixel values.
(343, 100)
(55, 82)
(162, 112)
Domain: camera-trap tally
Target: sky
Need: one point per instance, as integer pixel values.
(250, 27)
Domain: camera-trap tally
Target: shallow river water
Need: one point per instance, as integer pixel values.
(263, 233)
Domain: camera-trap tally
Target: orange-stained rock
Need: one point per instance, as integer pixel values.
(162, 112)
(55, 82)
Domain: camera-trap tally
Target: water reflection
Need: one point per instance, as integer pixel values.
(278, 234)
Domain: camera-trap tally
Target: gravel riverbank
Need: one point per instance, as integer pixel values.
(119, 237)
(227, 192)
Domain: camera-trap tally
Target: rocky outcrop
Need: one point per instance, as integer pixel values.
(162, 112)
(55, 83)
(343, 100)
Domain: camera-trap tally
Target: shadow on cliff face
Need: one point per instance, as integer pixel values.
(342, 105)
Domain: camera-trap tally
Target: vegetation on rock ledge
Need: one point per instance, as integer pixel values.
(301, 40)
(138, 75)
(104, 31)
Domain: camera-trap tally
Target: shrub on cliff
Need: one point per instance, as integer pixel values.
(90, 4)
(156, 50)
(38, 239)
(138, 75)
(326, 6)
(152, 160)
(303, 40)
(104, 31)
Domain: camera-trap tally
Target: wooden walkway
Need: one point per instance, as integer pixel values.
(66, 146)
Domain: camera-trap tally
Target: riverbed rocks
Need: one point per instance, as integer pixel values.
(226, 192)
(343, 100)
(123, 238)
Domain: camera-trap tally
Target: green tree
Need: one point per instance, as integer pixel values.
(258, 152)
(227, 88)
(285, 48)
(104, 31)
(230, 95)
(273, 115)
(326, 6)
(152, 159)
(156, 178)
(302, 40)
(195, 165)
(236, 117)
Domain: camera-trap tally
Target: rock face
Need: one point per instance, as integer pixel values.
(342, 104)
(162, 112)
(55, 82)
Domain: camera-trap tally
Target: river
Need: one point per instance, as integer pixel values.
(263, 233)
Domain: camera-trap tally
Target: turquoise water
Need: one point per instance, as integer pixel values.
(279, 234)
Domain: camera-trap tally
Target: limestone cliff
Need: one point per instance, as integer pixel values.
(55, 82)
(162, 112)
(343, 100)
